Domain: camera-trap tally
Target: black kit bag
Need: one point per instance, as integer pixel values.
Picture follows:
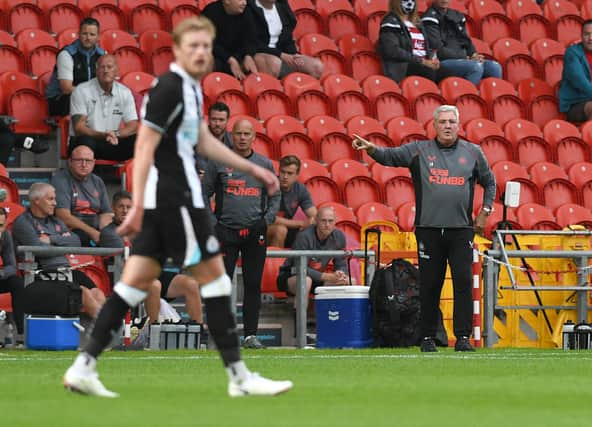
(53, 293)
(395, 304)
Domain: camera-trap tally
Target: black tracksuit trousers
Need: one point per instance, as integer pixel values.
(436, 247)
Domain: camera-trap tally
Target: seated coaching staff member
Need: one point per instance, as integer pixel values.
(444, 171)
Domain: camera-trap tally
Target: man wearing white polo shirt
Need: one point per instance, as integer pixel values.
(99, 107)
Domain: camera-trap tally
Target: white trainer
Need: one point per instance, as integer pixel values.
(86, 381)
(256, 385)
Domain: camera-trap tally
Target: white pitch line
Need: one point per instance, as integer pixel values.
(309, 355)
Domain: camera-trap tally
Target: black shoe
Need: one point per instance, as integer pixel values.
(428, 345)
(463, 344)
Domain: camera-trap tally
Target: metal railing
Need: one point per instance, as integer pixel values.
(29, 266)
(500, 256)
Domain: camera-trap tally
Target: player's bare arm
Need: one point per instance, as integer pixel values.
(213, 149)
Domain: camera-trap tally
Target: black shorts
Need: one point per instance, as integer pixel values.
(182, 236)
(282, 283)
(166, 277)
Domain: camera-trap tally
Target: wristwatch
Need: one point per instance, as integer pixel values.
(488, 210)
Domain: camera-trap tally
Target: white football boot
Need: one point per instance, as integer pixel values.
(83, 378)
(256, 385)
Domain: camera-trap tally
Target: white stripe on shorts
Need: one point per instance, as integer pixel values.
(192, 251)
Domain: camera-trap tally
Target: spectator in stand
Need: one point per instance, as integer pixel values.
(321, 270)
(243, 212)
(447, 33)
(9, 281)
(273, 41)
(38, 226)
(75, 64)
(82, 200)
(294, 195)
(575, 92)
(98, 109)
(231, 54)
(402, 44)
(445, 171)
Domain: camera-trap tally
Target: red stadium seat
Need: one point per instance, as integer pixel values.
(359, 190)
(491, 138)
(370, 10)
(352, 233)
(326, 50)
(532, 216)
(310, 168)
(29, 108)
(567, 141)
(529, 22)
(423, 95)
(346, 93)
(385, 97)
(335, 146)
(319, 126)
(113, 39)
(565, 18)
(543, 172)
(10, 82)
(364, 64)
(160, 60)
(23, 16)
(270, 274)
(549, 55)
(580, 173)
(297, 144)
(13, 209)
(515, 59)
(382, 174)
(153, 39)
(62, 16)
(363, 125)
(306, 95)
(267, 95)
(147, 17)
(344, 169)
(138, 81)
(323, 189)
(491, 18)
(129, 59)
(373, 211)
(572, 214)
(87, 5)
(281, 125)
(464, 95)
(405, 216)
(557, 192)
(109, 16)
(529, 145)
(397, 191)
(586, 194)
(402, 130)
(67, 36)
(308, 21)
(502, 101)
(11, 188)
(505, 171)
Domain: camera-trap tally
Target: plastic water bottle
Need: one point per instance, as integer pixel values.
(9, 339)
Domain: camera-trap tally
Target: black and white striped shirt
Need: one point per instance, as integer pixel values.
(173, 107)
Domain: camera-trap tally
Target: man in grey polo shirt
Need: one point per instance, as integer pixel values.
(98, 108)
(82, 200)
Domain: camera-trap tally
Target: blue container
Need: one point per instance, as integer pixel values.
(52, 333)
(343, 317)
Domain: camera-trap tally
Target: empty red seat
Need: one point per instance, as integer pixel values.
(346, 94)
(29, 108)
(310, 168)
(319, 126)
(529, 145)
(323, 189)
(529, 22)
(359, 190)
(533, 216)
(462, 93)
(567, 141)
(267, 95)
(160, 59)
(62, 16)
(325, 49)
(580, 173)
(491, 138)
(146, 17)
(549, 56)
(515, 59)
(373, 211)
(491, 20)
(505, 171)
(306, 95)
(22, 16)
(109, 16)
(572, 214)
(565, 19)
(138, 81)
(342, 212)
(398, 190)
(502, 100)
(402, 130)
(382, 174)
(344, 169)
(423, 95)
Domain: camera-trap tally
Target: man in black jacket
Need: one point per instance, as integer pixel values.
(231, 53)
(273, 42)
(447, 33)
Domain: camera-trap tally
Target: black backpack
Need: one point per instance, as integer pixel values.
(394, 300)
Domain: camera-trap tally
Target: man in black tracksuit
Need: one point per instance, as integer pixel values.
(243, 212)
(444, 171)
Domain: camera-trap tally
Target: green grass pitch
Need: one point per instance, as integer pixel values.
(339, 388)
